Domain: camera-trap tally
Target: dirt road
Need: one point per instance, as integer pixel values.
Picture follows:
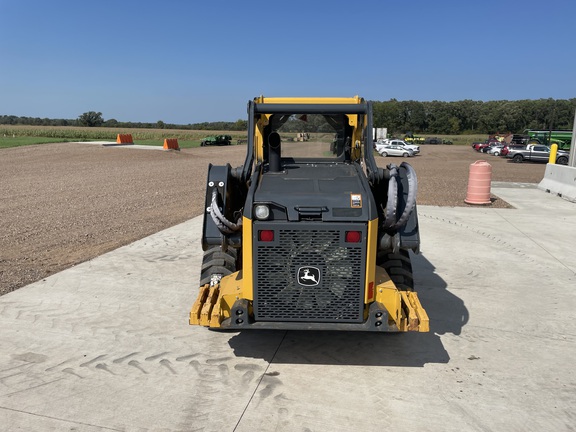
(62, 204)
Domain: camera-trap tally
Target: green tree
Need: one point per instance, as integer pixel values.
(241, 125)
(91, 119)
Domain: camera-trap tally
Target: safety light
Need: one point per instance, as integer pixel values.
(262, 212)
(353, 236)
(266, 235)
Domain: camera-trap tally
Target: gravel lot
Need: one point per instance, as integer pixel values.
(62, 204)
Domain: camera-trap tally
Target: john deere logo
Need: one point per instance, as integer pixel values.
(309, 276)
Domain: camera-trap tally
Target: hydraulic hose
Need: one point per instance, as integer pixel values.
(223, 224)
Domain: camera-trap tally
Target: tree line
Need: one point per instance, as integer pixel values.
(95, 119)
(400, 117)
(474, 117)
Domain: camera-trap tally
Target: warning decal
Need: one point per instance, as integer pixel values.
(356, 200)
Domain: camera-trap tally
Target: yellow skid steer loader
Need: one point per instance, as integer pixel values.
(310, 235)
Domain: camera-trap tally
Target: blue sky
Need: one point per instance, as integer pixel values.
(186, 61)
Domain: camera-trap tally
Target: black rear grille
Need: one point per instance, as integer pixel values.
(286, 271)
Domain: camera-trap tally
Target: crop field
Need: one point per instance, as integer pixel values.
(16, 136)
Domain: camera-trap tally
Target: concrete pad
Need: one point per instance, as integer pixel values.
(114, 144)
(106, 345)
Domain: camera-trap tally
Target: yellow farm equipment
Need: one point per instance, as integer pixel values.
(310, 235)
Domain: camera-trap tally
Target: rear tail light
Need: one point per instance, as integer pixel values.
(266, 235)
(353, 236)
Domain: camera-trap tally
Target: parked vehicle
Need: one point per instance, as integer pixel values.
(413, 139)
(495, 150)
(563, 138)
(509, 147)
(219, 140)
(489, 147)
(536, 153)
(519, 139)
(433, 140)
(478, 146)
(436, 140)
(398, 142)
(393, 150)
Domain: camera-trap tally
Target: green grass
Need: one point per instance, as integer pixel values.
(462, 139)
(12, 136)
(25, 141)
(7, 142)
(15, 136)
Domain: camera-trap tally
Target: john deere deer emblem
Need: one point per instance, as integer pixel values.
(309, 276)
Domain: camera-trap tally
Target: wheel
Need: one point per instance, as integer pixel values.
(399, 268)
(562, 160)
(383, 154)
(216, 264)
(496, 153)
(405, 155)
(202, 144)
(518, 158)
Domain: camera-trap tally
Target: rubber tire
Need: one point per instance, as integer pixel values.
(217, 262)
(399, 268)
(518, 158)
(405, 155)
(383, 154)
(562, 160)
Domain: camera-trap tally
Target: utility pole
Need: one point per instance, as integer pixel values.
(572, 158)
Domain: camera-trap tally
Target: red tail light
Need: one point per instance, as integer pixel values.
(266, 235)
(353, 236)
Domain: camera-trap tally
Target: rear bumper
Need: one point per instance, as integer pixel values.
(408, 315)
(377, 322)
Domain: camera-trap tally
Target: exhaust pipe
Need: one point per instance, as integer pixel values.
(274, 157)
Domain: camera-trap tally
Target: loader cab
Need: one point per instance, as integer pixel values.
(330, 139)
(336, 129)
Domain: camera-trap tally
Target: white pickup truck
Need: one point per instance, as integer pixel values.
(397, 142)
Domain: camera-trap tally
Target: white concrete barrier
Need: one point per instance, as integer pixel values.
(560, 180)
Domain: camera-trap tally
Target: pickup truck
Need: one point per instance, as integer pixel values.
(396, 142)
(536, 153)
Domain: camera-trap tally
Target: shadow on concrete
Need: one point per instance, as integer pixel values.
(447, 312)
(447, 315)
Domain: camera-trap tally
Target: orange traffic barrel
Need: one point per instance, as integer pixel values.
(479, 183)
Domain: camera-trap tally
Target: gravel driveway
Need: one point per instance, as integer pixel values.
(62, 204)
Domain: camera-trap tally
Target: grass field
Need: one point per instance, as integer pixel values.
(15, 136)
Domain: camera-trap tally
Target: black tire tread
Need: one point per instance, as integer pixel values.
(399, 268)
(217, 262)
